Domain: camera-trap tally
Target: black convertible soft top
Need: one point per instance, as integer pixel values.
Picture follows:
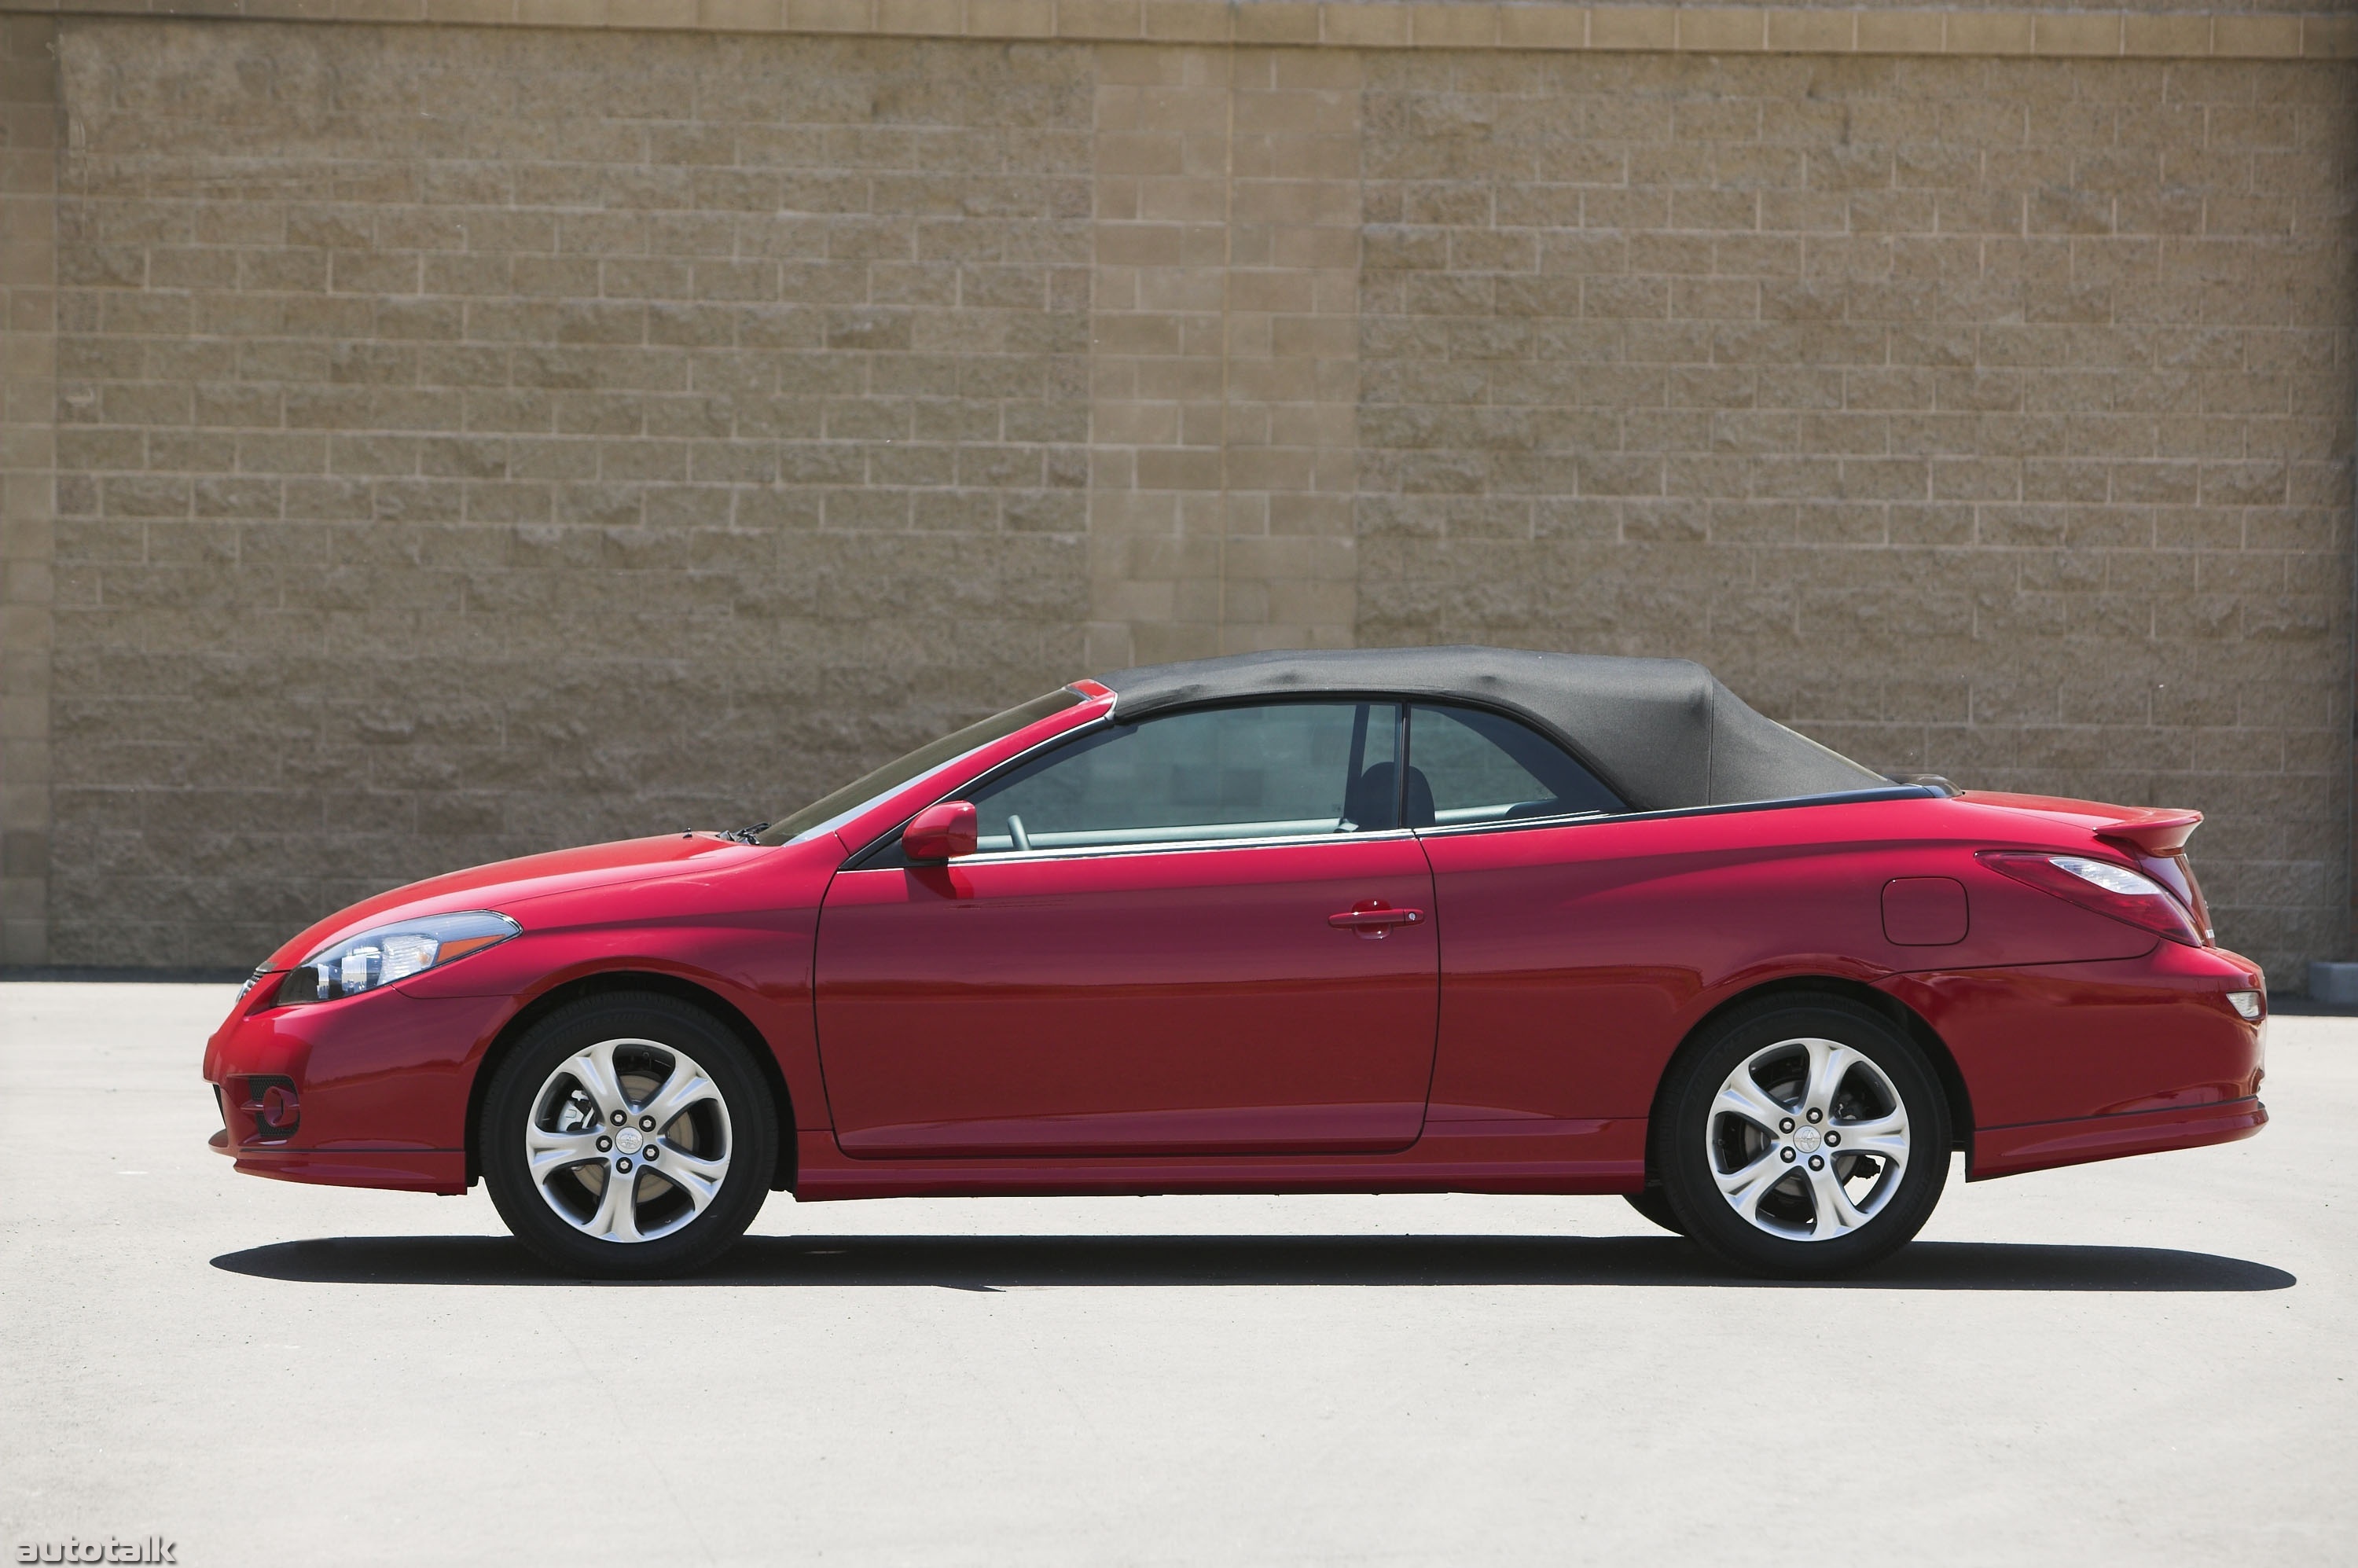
(1662, 732)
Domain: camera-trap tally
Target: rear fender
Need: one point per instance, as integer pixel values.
(2053, 1043)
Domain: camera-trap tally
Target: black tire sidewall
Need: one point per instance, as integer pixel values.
(1655, 1205)
(508, 1104)
(1683, 1159)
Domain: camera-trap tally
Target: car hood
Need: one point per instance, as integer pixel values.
(505, 882)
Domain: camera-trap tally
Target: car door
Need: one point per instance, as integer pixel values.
(1581, 938)
(1540, 975)
(1204, 932)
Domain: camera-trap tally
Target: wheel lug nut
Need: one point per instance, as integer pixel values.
(619, 1119)
(648, 1123)
(651, 1152)
(1817, 1162)
(1817, 1116)
(604, 1145)
(1786, 1125)
(1832, 1139)
(624, 1167)
(1786, 1155)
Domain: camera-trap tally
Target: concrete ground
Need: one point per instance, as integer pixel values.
(2145, 1361)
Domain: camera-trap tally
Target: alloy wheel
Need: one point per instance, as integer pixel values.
(628, 1140)
(1808, 1138)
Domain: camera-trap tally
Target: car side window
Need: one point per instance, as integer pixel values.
(1275, 770)
(1469, 766)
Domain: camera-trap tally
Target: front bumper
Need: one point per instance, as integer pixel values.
(383, 1080)
(440, 1171)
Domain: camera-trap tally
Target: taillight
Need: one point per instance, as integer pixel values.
(2105, 886)
(2177, 873)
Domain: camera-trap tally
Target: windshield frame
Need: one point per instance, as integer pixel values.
(840, 807)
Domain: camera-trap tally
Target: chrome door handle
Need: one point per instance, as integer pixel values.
(1373, 917)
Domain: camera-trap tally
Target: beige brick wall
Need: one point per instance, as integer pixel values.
(471, 440)
(1224, 374)
(1982, 418)
(479, 442)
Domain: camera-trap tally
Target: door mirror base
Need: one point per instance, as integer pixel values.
(942, 832)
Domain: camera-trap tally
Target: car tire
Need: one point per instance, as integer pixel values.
(628, 1136)
(1802, 1137)
(1656, 1206)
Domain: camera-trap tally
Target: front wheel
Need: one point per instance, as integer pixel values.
(628, 1136)
(1802, 1137)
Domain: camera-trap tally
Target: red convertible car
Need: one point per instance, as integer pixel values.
(1415, 919)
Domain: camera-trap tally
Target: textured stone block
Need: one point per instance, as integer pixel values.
(1359, 24)
(1901, 32)
(2255, 38)
(1633, 27)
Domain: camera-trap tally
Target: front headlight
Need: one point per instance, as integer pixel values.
(392, 953)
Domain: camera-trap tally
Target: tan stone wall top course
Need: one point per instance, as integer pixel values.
(2262, 29)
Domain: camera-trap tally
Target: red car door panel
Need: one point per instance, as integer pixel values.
(1202, 1000)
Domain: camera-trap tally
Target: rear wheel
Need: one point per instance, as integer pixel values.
(1802, 1137)
(628, 1136)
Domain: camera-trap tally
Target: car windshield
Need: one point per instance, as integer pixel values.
(830, 810)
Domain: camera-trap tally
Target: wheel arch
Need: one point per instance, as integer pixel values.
(607, 981)
(1882, 1003)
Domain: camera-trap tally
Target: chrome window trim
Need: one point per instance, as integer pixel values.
(1459, 829)
(1843, 797)
(1178, 847)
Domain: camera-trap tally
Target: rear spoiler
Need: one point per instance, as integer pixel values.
(2153, 831)
(2156, 831)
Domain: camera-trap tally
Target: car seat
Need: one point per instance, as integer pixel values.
(1370, 801)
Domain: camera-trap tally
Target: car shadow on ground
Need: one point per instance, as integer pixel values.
(1001, 1262)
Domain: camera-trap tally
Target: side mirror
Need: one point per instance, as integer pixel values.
(941, 832)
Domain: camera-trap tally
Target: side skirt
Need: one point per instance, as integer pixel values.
(1567, 1157)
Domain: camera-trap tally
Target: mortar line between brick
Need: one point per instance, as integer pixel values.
(1227, 346)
